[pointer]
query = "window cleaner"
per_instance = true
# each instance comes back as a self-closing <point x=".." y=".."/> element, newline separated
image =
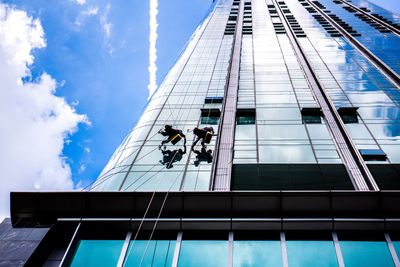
<point x="204" y="134"/>
<point x="174" y="135"/>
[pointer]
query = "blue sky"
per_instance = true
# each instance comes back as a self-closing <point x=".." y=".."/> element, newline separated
<point x="98" y="52"/>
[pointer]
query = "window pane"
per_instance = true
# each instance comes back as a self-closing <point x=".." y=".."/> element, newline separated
<point x="366" y="253"/>
<point x="97" y="253"/>
<point x="282" y="132"/>
<point x="312" y="119"/>
<point x="157" y="253"/>
<point x="286" y="154"/>
<point x="257" y="253"/>
<point x="396" y="245"/>
<point x="311" y="253"/>
<point x="278" y="114"/>
<point x="203" y="253"/>
<point x="245" y="132"/>
<point x="209" y="120"/>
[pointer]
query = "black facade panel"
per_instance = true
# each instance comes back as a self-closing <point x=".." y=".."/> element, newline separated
<point x="387" y="176"/>
<point x="290" y="177"/>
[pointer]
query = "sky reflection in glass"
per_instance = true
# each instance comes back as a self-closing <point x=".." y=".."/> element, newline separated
<point x="257" y="254"/>
<point x="158" y="253"/>
<point x="201" y="253"/>
<point x="366" y="254"/>
<point x="93" y="253"/>
<point x="311" y="253"/>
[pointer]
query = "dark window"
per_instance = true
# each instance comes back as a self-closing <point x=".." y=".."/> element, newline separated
<point x="311" y="115"/>
<point x="373" y="154"/>
<point x="210" y="116"/>
<point x="245" y="116"/>
<point x="290" y="177"/>
<point x="387" y="176"/>
<point x="348" y="114"/>
<point x="213" y="100"/>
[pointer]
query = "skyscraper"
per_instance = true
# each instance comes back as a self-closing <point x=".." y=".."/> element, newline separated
<point x="273" y="141"/>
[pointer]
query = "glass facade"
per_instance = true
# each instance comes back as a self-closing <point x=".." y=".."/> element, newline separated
<point x="274" y="92"/>
<point x="366" y="253"/>
<point x="257" y="253"/>
<point x="150" y="253"/>
<point x="263" y="251"/>
<point x="97" y="253"/>
<point x="198" y="253"/>
<point x="302" y="253"/>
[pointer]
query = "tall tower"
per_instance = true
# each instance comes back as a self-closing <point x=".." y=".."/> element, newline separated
<point x="273" y="141"/>
<point x="299" y="99"/>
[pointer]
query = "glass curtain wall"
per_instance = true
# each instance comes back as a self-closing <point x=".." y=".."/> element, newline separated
<point x="140" y="163"/>
<point x="352" y="81"/>
<point x="258" y="248"/>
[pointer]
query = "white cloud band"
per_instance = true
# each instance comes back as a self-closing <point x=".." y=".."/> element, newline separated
<point x="152" y="86"/>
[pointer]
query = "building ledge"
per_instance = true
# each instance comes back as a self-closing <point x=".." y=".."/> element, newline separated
<point x="46" y="208"/>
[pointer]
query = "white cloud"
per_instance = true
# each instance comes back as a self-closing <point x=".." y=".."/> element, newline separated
<point x="105" y="23"/>
<point x="86" y="13"/>
<point x="80" y="2"/>
<point x="91" y="11"/>
<point x="34" y="122"/>
<point x="152" y="86"/>
<point x="103" y="19"/>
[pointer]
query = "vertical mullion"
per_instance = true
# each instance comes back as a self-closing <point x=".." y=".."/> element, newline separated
<point x="338" y="250"/>
<point x="124" y="249"/>
<point x="177" y="250"/>
<point x="284" y="250"/>
<point x="68" y="252"/>
<point x="392" y="250"/>
<point x="230" y="250"/>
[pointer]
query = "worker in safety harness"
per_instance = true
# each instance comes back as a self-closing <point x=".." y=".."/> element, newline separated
<point x="174" y="135"/>
<point x="203" y="155"/>
<point x="170" y="157"/>
<point x="204" y="135"/>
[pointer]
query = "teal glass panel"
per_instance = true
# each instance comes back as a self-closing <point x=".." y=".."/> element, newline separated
<point x="246" y="120"/>
<point x="150" y="253"/>
<point x="210" y="120"/>
<point x="201" y="253"/>
<point x="311" y="253"/>
<point x="396" y="245"/>
<point x="366" y="253"/>
<point x="312" y="119"/>
<point x="97" y="253"/>
<point x="257" y="254"/>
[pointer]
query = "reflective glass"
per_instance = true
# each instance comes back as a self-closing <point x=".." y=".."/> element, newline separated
<point x="201" y="253"/>
<point x="210" y="120"/>
<point x="257" y="254"/>
<point x="246" y="120"/>
<point x="366" y="254"/>
<point x="245" y="132"/>
<point x="152" y="253"/>
<point x="311" y="253"/>
<point x="317" y="131"/>
<point x="97" y="253"/>
<point x="396" y="245"/>
<point x="282" y="132"/>
<point x="312" y="119"/>
<point x="286" y="154"/>
<point x="278" y="114"/>
<point x="392" y="152"/>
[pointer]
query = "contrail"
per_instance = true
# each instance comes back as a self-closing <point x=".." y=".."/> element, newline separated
<point x="152" y="47"/>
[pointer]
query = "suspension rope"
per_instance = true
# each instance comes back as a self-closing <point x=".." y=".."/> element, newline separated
<point x="147" y="210"/>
